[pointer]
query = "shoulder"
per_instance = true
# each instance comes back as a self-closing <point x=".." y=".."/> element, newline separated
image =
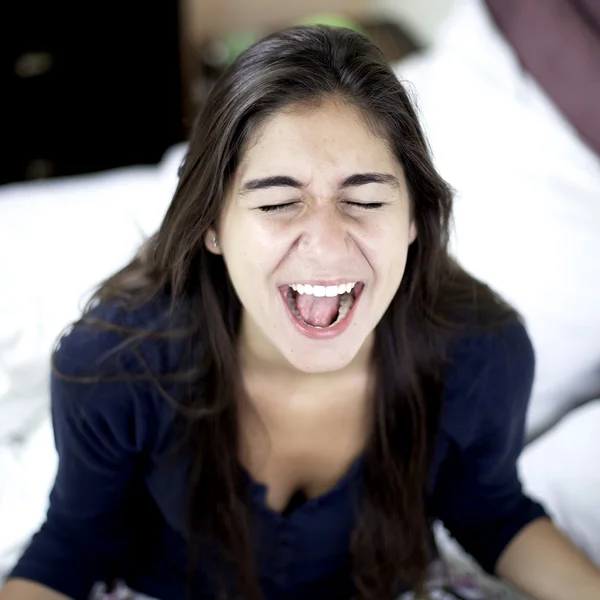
<point x="114" y="340"/>
<point x="121" y="369"/>
<point x="488" y="381"/>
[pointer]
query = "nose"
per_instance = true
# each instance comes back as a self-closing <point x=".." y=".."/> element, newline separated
<point x="325" y="233"/>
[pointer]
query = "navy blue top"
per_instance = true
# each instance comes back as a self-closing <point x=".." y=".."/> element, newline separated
<point x="119" y="499"/>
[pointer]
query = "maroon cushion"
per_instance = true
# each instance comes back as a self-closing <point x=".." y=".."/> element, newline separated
<point x="592" y="8"/>
<point x="558" y="42"/>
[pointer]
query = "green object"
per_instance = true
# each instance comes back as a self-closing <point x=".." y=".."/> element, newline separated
<point x="233" y="44"/>
<point x="332" y="20"/>
<point x="237" y="42"/>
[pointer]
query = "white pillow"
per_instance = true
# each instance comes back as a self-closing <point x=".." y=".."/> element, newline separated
<point x="58" y="240"/>
<point x="561" y="468"/>
<point x="527" y="218"/>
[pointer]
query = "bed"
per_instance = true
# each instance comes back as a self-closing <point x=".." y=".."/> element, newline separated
<point x="527" y="222"/>
<point x="58" y="240"/>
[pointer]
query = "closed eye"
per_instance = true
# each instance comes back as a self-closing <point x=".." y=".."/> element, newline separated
<point x="367" y="205"/>
<point x="275" y="207"/>
<point x="279" y="207"/>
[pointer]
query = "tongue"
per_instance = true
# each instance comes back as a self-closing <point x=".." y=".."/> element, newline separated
<point x="318" y="312"/>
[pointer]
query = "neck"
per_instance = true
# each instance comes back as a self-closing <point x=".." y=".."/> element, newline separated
<point x="259" y="355"/>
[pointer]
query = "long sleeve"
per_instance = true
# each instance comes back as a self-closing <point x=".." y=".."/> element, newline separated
<point x="478" y="495"/>
<point x="102" y="430"/>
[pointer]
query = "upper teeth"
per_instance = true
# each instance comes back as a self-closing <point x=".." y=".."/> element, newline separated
<point x="323" y="290"/>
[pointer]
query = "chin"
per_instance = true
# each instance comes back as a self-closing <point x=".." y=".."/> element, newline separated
<point x="327" y="359"/>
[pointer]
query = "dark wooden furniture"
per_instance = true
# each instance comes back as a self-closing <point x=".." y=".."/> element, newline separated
<point x="87" y="86"/>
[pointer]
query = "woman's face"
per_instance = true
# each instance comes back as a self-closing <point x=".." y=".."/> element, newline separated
<point x="314" y="234"/>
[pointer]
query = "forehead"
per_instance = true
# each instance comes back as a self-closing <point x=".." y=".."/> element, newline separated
<point x="332" y="136"/>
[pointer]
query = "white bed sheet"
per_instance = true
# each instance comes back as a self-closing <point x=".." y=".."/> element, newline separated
<point x="58" y="240"/>
<point x="562" y="469"/>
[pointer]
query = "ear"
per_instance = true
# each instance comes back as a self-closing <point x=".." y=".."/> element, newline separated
<point x="412" y="233"/>
<point x="211" y="241"/>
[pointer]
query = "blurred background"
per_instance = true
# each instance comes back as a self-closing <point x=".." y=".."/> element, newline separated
<point x="92" y="87"/>
<point x="97" y="101"/>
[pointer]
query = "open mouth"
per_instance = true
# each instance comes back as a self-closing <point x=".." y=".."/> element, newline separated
<point x="322" y="307"/>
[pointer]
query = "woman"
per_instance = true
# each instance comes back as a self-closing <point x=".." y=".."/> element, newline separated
<point x="292" y="380"/>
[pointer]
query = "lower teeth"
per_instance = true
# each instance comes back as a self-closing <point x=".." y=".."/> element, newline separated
<point x="346" y="303"/>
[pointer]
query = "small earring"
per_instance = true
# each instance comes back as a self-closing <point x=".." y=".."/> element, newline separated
<point x="214" y="242"/>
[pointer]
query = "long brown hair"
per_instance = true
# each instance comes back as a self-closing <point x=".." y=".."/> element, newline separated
<point x="436" y="299"/>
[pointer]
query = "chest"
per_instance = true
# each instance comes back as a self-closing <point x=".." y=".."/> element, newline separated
<point x="299" y="444"/>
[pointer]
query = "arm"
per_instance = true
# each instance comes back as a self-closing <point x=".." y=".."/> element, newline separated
<point x="543" y="563"/>
<point x="21" y="589"/>
<point x="101" y="433"/>
<point x="478" y="495"/>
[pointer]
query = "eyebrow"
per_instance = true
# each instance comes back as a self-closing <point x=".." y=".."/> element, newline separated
<point x="355" y="180"/>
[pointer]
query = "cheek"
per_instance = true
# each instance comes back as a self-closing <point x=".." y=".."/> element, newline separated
<point x="386" y="237"/>
<point x="388" y="251"/>
<point x="251" y="247"/>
